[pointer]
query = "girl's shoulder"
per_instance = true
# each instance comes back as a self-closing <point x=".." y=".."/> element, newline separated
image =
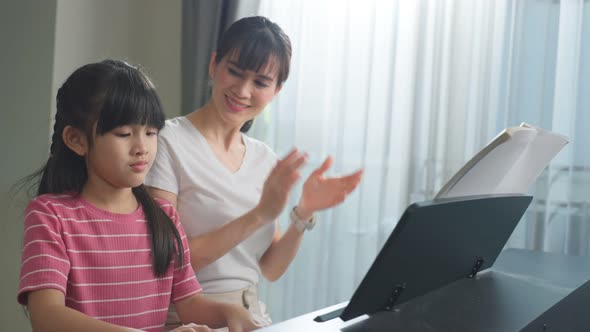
<point x="167" y="207"/>
<point x="67" y="201"/>
<point x="47" y="208"/>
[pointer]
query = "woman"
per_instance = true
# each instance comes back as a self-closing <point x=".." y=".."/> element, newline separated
<point x="229" y="188"/>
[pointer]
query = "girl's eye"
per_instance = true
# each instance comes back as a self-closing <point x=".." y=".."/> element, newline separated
<point x="122" y="134"/>
<point x="260" y="84"/>
<point x="233" y="72"/>
<point x="152" y="133"/>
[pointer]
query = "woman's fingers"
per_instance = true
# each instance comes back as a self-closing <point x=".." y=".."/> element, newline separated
<point x="344" y="184"/>
<point x="324" y="166"/>
<point x="291" y="153"/>
<point x="279" y="183"/>
<point x="287" y="170"/>
<point x="351" y="181"/>
<point x="292" y="162"/>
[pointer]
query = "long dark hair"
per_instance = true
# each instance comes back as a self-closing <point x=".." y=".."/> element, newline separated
<point x="109" y="94"/>
<point x="256" y="40"/>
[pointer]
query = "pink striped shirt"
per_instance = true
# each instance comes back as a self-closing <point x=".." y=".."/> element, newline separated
<point x="101" y="261"/>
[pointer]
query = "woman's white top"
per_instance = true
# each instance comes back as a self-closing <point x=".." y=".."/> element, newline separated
<point x="209" y="195"/>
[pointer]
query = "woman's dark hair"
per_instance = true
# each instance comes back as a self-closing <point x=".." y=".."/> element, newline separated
<point x="256" y="40"/>
<point x="108" y="94"/>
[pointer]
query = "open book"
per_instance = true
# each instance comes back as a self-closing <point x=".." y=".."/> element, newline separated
<point x="509" y="164"/>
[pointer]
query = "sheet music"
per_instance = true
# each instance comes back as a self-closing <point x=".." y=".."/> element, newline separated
<point x="509" y="164"/>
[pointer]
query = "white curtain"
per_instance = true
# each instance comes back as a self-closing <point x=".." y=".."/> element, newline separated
<point x="410" y="90"/>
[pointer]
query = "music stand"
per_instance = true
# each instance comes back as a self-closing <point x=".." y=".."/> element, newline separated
<point x="569" y="314"/>
<point x="433" y="244"/>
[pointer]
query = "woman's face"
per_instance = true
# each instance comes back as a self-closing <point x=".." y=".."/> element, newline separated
<point x="238" y="94"/>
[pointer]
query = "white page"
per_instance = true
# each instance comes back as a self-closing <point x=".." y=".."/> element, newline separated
<point x="531" y="164"/>
<point x="509" y="164"/>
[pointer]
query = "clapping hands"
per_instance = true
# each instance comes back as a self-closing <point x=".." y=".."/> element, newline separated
<point x="319" y="192"/>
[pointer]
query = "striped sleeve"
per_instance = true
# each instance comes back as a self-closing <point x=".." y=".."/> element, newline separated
<point x="44" y="263"/>
<point x="185" y="283"/>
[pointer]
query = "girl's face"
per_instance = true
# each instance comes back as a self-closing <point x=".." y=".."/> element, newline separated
<point x="240" y="95"/>
<point x="122" y="157"/>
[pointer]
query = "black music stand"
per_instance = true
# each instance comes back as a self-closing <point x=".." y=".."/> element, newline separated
<point x="434" y="244"/>
<point x="569" y="314"/>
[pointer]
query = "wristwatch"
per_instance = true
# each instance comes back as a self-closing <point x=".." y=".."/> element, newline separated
<point x="300" y="224"/>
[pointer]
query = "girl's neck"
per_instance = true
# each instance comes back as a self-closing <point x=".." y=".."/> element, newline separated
<point x="214" y="129"/>
<point x="115" y="200"/>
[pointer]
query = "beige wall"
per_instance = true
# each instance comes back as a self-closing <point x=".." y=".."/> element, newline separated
<point x="143" y="32"/>
<point x="42" y="43"/>
<point x="26" y="36"/>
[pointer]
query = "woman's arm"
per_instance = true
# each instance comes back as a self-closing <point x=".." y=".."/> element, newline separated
<point x="49" y="313"/>
<point x="201" y="310"/>
<point x="281" y="253"/>
<point x="205" y="249"/>
<point x="209" y="247"/>
<point x="318" y="193"/>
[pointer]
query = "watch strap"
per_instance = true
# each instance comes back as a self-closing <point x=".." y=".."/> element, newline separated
<point x="300" y="224"/>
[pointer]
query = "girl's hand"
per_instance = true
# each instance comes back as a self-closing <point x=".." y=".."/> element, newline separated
<point x="321" y="192"/>
<point x="192" y="328"/>
<point x="240" y="320"/>
<point x="279" y="183"/>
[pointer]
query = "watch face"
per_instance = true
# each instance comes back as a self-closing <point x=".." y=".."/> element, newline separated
<point x="301" y="225"/>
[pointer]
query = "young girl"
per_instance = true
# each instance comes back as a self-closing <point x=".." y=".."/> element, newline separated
<point x="230" y="188"/>
<point x="99" y="254"/>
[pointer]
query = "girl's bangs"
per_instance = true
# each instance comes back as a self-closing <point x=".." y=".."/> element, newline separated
<point x="130" y="100"/>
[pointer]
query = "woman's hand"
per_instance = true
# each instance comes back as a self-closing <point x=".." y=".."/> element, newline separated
<point x="279" y="183"/>
<point x="320" y="192"/>
<point x="240" y="320"/>
<point x="192" y="328"/>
